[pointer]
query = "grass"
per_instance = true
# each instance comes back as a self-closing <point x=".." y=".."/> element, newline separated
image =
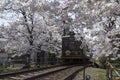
<point x="95" y="73"/>
<point x="8" y="69"/>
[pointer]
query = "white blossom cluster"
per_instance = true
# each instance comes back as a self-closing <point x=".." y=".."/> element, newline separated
<point x="41" y="23"/>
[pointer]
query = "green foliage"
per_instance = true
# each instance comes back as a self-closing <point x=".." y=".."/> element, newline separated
<point x="116" y="63"/>
<point x="8" y="69"/>
<point x="102" y="61"/>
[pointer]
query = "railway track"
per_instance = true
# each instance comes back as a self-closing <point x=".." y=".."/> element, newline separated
<point x="57" y="72"/>
<point x="25" y="75"/>
<point x="25" y="71"/>
<point x="67" y="73"/>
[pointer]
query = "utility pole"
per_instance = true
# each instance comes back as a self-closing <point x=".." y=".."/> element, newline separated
<point x="83" y="55"/>
<point x="84" y="66"/>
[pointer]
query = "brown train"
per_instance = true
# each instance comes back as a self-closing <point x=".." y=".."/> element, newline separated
<point x="71" y="50"/>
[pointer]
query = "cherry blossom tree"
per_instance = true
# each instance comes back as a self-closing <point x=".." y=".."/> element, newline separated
<point x="39" y="22"/>
<point x="30" y="29"/>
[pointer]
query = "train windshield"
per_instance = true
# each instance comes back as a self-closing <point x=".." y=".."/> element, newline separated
<point x="71" y="46"/>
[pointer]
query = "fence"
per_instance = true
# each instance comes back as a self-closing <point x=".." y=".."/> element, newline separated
<point x="112" y="72"/>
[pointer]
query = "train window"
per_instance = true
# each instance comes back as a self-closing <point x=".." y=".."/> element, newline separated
<point x="71" y="38"/>
<point x="71" y="45"/>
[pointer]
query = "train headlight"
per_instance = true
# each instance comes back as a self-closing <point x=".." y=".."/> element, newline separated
<point x="67" y="52"/>
<point x="88" y="55"/>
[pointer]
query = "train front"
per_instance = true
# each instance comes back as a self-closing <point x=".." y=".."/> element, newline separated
<point x="71" y="47"/>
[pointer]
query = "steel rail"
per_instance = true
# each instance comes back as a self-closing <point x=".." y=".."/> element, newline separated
<point x="47" y="73"/>
<point x="26" y="71"/>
